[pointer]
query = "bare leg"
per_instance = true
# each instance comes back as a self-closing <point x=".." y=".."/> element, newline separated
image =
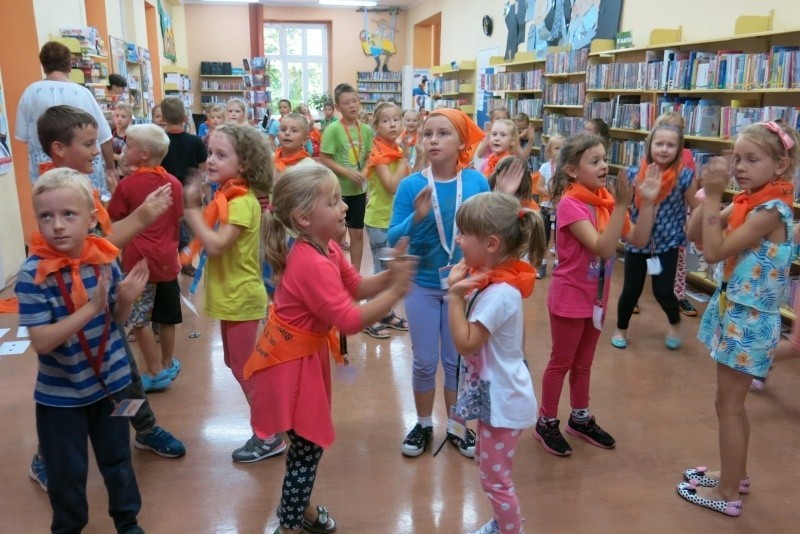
<point x="424" y="402"/>
<point x="450" y="398"/>
<point x="356" y="247"/>
<point x="146" y="340"/>
<point x="167" y="333"/>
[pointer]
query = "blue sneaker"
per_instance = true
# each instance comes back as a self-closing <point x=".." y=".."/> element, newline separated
<point x="160" y="382"/>
<point x="160" y="442"/>
<point x="175" y="369"/>
<point x="38" y="472"/>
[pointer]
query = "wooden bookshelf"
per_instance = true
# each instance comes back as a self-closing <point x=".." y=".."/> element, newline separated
<point x="453" y="85"/>
<point x="375" y="87"/>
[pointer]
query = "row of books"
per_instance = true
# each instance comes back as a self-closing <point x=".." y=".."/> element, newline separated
<point x="566" y="62"/>
<point x="633" y="76"/>
<point x="625" y="152"/>
<point x="221" y="86"/>
<point x="374" y="97"/>
<point x="446" y="86"/>
<point x="379" y="76"/>
<point x="515" y="81"/>
<point x="562" y="124"/>
<point x="565" y="94"/>
<point x="381" y="87"/>
<point x="532" y="107"/>
<point x="452" y="102"/>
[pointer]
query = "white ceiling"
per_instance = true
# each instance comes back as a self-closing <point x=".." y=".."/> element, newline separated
<point x="403" y="4"/>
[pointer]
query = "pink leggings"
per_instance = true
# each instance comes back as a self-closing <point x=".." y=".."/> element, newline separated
<point x="574" y="343"/>
<point x="238" y="342"/>
<point x="494" y="453"/>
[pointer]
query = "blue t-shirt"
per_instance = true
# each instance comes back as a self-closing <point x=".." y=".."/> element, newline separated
<point x="65" y="377"/>
<point x="424" y="237"/>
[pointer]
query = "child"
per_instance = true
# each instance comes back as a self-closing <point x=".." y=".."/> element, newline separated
<point x="123" y="114"/>
<point x="511" y="177"/>
<point x="365" y="116"/>
<point x="547" y="171"/>
<point x="741" y="325"/>
<point x="160" y="302"/>
<point x="526" y="136"/>
<point x="599" y="127"/>
<point x="236" y="111"/>
<point x="291" y="385"/>
<point x="291" y="150"/>
<point x="659" y="257"/>
<point x="156" y="116"/>
<point x="329" y="118"/>
<point x="494" y="115"/>
<point x="495" y="385"/>
<point x="235" y="293"/>
<point x="216" y="116"/>
<point x="387" y="165"/>
<point x="70" y="289"/>
<point x="502" y="139"/>
<point x="345" y="146"/>
<point x="314" y="137"/>
<point x="424" y="210"/>
<point x="284" y="108"/>
<point x="589" y="224"/>
<point x="409" y="139"/>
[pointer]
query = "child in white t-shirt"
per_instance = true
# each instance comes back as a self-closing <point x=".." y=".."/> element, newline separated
<point x="547" y="170"/>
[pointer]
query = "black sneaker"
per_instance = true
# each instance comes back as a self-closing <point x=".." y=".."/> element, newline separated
<point x="464" y="446"/>
<point x="591" y="432"/>
<point x="551" y="439"/>
<point x="686" y="308"/>
<point x="417" y="440"/>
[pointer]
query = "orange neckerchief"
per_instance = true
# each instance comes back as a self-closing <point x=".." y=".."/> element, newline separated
<point x="217" y="211"/>
<point x="467" y="131"/>
<point x="103" y="220"/>
<point x="283" y="161"/>
<point x="96" y="251"/>
<point x="9" y="305"/>
<point x="158" y="169"/>
<point x="668" y="180"/>
<point x="603" y="204"/>
<point x="409" y="139"/>
<point x="517" y="273"/>
<point x="281" y="342"/>
<point x="492" y="161"/>
<point x="383" y="153"/>
<point x="529" y="203"/>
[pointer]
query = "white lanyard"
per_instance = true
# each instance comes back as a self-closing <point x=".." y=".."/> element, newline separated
<point x="437" y="214"/>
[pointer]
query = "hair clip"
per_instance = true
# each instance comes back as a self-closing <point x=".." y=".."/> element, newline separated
<point x="270" y="207"/>
<point x="521" y="213"/>
<point x="775" y="128"/>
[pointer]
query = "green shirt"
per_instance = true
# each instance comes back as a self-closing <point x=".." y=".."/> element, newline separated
<point x="348" y="151"/>
<point x="379" y="205"/>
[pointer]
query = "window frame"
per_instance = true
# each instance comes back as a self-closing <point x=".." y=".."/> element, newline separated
<point x="303" y="58"/>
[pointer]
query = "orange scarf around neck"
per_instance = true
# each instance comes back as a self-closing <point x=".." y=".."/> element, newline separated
<point x="96" y="251"/>
<point x="603" y="204"/>
<point x="158" y="169"/>
<point x="517" y="273"/>
<point x="283" y="161"/>
<point x="103" y="220"/>
<point x="383" y="153"/>
<point x="409" y="139"/>
<point x="668" y="180"/>
<point x="492" y="161"/>
<point x="216" y="211"/>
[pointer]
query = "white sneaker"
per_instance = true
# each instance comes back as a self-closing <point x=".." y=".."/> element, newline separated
<point x="489" y="528"/>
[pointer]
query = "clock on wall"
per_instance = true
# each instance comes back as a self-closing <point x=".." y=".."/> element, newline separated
<point x="487" y="25"/>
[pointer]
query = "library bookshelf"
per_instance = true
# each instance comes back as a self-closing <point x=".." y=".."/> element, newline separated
<point x="453" y="85"/>
<point x="374" y="87"/>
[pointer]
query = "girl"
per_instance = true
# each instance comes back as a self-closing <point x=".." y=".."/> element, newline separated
<point x="659" y="257"/>
<point x="548" y="169"/>
<point x="386" y="166"/>
<point x="123" y="114"/>
<point x="156" y="117"/>
<point x="494" y="115"/>
<point x="291" y="380"/>
<point x="741" y="325"/>
<point x="409" y="139"/>
<point x="495" y="386"/>
<point x="589" y="224"/>
<point x="424" y="209"/>
<point x="236" y="111"/>
<point x="501" y="140"/>
<point x="239" y="163"/>
<point x="511" y="177"/>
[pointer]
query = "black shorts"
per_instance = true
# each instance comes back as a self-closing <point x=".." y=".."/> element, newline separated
<point x="167" y="303"/>
<point x="356" y="208"/>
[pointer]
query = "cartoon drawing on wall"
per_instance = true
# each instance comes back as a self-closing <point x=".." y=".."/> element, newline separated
<point x="380" y="42"/>
<point x="514" y="16"/>
<point x="167" y="32"/>
<point x="420" y="93"/>
<point x="575" y="23"/>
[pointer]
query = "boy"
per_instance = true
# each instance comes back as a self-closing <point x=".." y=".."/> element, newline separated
<point x="327" y="110"/>
<point x="292" y="136"/>
<point x="346" y="144"/>
<point x="160" y="302"/>
<point x="68" y="136"/>
<point x="71" y="296"/>
<point x="123" y="115"/>
<point x="186" y="153"/>
<point x="216" y="116"/>
<point x="284" y="108"/>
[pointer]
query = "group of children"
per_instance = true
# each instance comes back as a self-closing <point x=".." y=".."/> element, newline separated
<point x="463" y="248"/>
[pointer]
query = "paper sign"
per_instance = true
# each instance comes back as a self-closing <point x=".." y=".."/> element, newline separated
<point x="11" y="348"/>
<point x="189" y="305"/>
<point x="22" y="331"/>
<point x="3" y="331"/>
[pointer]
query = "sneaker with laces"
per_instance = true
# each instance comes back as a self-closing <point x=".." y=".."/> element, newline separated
<point x="489" y="528"/>
<point x="686" y="308"/>
<point x="38" y="471"/>
<point x="160" y="442"/>
<point x="591" y="432"/>
<point x="464" y="446"/>
<point x="548" y="434"/>
<point x="257" y="449"/>
<point x="418" y="440"/>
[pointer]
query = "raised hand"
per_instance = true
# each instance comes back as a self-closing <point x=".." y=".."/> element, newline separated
<point x="100" y="297"/>
<point x="509" y="179"/>
<point x="156" y="204"/>
<point x="422" y="204"/>
<point x="193" y="193"/>
<point x="715" y="176"/>
<point x="458" y="283"/>
<point x="623" y="194"/>
<point x="402" y="268"/>
<point x="133" y="284"/>
<point x="648" y="189"/>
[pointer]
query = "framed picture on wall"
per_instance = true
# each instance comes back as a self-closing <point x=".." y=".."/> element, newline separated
<point x="167" y="32"/>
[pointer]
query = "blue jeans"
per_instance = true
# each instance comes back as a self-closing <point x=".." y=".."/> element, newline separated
<point x="62" y="438"/>
<point x="431" y="341"/>
<point x="378" y="239"/>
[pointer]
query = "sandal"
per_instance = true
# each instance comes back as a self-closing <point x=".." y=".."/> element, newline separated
<point x="395" y="322"/>
<point x="378" y="331"/>
<point x="323" y="524"/>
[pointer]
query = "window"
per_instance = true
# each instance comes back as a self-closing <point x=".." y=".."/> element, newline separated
<point x="298" y="55"/>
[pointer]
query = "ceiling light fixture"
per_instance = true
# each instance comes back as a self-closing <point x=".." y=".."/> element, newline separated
<point x="348" y="3"/>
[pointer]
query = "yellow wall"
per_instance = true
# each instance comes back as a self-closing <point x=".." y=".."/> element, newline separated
<point x="52" y="15"/>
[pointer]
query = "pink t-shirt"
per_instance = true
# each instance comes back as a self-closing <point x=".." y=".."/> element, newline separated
<point x="314" y="293"/>
<point x="573" y="290"/>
